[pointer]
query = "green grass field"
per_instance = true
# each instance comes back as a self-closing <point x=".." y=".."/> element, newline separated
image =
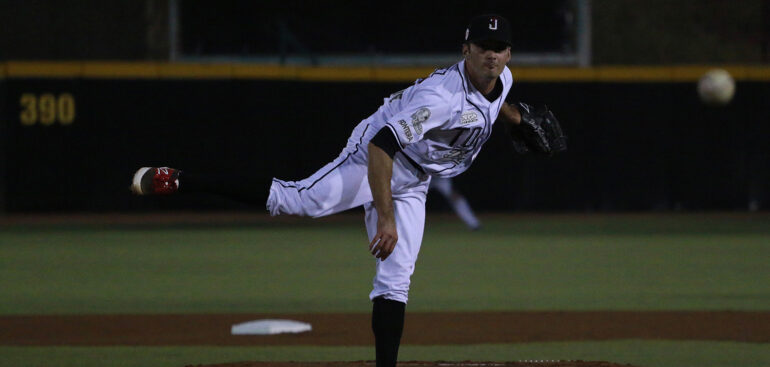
<point x="520" y="262"/>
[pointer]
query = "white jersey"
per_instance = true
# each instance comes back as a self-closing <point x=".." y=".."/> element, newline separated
<point x="442" y="121"/>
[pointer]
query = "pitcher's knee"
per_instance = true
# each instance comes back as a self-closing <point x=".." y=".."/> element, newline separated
<point x="393" y="290"/>
<point x="400" y="296"/>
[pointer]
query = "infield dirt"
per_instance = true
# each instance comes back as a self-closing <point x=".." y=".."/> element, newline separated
<point x="422" y="328"/>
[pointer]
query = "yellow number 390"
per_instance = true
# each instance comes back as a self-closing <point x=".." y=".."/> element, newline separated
<point x="47" y="109"/>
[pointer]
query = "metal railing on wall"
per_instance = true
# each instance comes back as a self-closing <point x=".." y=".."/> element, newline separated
<point x="292" y="50"/>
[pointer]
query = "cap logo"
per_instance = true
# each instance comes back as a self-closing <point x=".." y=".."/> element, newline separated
<point x="493" y="24"/>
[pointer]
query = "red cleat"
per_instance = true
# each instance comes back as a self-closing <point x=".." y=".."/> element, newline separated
<point x="155" y="181"/>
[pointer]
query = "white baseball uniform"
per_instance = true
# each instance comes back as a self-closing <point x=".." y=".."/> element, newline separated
<point x="440" y="124"/>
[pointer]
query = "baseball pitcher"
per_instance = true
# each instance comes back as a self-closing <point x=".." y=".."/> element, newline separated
<point x="434" y="128"/>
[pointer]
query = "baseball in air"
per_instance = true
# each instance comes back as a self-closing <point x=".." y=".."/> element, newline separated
<point x="716" y="87"/>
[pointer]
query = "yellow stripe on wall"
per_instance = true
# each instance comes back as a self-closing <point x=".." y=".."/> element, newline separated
<point x="163" y="70"/>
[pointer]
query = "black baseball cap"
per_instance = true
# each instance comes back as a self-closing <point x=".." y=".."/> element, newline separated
<point x="488" y="26"/>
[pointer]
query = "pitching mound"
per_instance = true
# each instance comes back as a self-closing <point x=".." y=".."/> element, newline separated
<point x="424" y="364"/>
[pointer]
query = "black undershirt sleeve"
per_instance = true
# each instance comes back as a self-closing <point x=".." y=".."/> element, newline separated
<point x="386" y="141"/>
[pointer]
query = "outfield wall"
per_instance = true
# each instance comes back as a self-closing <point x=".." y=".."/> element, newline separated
<point x="72" y="134"/>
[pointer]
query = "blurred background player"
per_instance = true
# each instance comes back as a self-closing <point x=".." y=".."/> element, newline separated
<point x="456" y="200"/>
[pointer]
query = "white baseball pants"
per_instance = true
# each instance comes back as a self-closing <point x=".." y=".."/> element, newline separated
<point x="343" y="184"/>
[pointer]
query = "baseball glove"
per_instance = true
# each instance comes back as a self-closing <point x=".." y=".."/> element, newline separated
<point x="538" y="132"/>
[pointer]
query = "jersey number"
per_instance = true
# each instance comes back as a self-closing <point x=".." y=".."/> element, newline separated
<point x="467" y="137"/>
